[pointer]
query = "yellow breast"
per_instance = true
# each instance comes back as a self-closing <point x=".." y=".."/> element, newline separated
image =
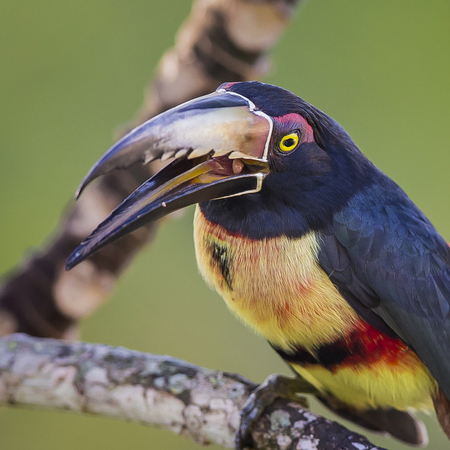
<point x="277" y="287"/>
<point x="274" y="285"/>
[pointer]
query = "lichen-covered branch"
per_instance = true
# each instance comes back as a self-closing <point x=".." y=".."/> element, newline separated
<point x="161" y="391"/>
<point x="222" y="40"/>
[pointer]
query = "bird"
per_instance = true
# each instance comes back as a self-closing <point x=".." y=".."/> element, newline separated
<point x="308" y="243"/>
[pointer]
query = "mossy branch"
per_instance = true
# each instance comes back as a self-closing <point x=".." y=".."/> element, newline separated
<point x="160" y="391"/>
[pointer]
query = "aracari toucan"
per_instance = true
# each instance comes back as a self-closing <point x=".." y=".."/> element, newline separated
<point x="307" y="242"/>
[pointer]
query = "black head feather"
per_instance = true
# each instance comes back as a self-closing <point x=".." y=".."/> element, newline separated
<point x="276" y="102"/>
<point x="304" y="188"/>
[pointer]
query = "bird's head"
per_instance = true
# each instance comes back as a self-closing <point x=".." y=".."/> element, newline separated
<point x="259" y="159"/>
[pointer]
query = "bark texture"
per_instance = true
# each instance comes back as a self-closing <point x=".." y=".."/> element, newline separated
<point x="197" y="403"/>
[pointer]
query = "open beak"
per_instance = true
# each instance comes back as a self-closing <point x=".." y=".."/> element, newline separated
<point x="219" y="143"/>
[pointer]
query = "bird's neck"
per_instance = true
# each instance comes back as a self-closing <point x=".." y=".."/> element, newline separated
<point x="249" y="216"/>
<point x="289" y="204"/>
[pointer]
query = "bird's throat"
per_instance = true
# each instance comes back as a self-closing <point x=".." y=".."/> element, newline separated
<point x="274" y="285"/>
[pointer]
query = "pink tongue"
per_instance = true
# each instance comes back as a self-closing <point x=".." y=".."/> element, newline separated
<point x="237" y="166"/>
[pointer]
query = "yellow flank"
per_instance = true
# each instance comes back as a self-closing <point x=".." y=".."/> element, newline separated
<point x="277" y="287"/>
<point x="378" y="385"/>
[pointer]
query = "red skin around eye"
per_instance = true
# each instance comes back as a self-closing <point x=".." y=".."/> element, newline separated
<point x="291" y="121"/>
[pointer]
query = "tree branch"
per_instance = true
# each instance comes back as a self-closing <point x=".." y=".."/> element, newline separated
<point x="160" y="391"/>
<point x="222" y="40"/>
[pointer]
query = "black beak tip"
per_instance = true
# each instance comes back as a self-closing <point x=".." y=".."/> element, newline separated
<point x="74" y="259"/>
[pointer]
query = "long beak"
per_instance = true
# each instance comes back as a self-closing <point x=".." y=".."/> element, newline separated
<point x="220" y="147"/>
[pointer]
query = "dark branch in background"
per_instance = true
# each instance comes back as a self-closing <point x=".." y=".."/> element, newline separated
<point x="222" y="40"/>
<point x="161" y="391"/>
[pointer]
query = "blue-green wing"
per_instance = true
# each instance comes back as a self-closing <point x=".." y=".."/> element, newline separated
<point x="393" y="267"/>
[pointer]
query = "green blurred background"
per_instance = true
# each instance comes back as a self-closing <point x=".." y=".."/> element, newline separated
<point x="71" y="72"/>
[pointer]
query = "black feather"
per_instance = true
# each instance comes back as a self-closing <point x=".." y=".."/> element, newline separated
<point x="405" y="265"/>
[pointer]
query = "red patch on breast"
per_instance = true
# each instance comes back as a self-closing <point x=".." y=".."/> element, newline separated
<point x="303" y="287"/>
<point x="364" y="345"/>
<point x="283" y="313"/>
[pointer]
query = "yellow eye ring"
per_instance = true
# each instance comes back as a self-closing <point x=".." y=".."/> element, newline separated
<point x="289" y="142"/>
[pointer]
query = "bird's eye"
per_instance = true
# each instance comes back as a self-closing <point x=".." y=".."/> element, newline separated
<point x="289" y="142"/>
